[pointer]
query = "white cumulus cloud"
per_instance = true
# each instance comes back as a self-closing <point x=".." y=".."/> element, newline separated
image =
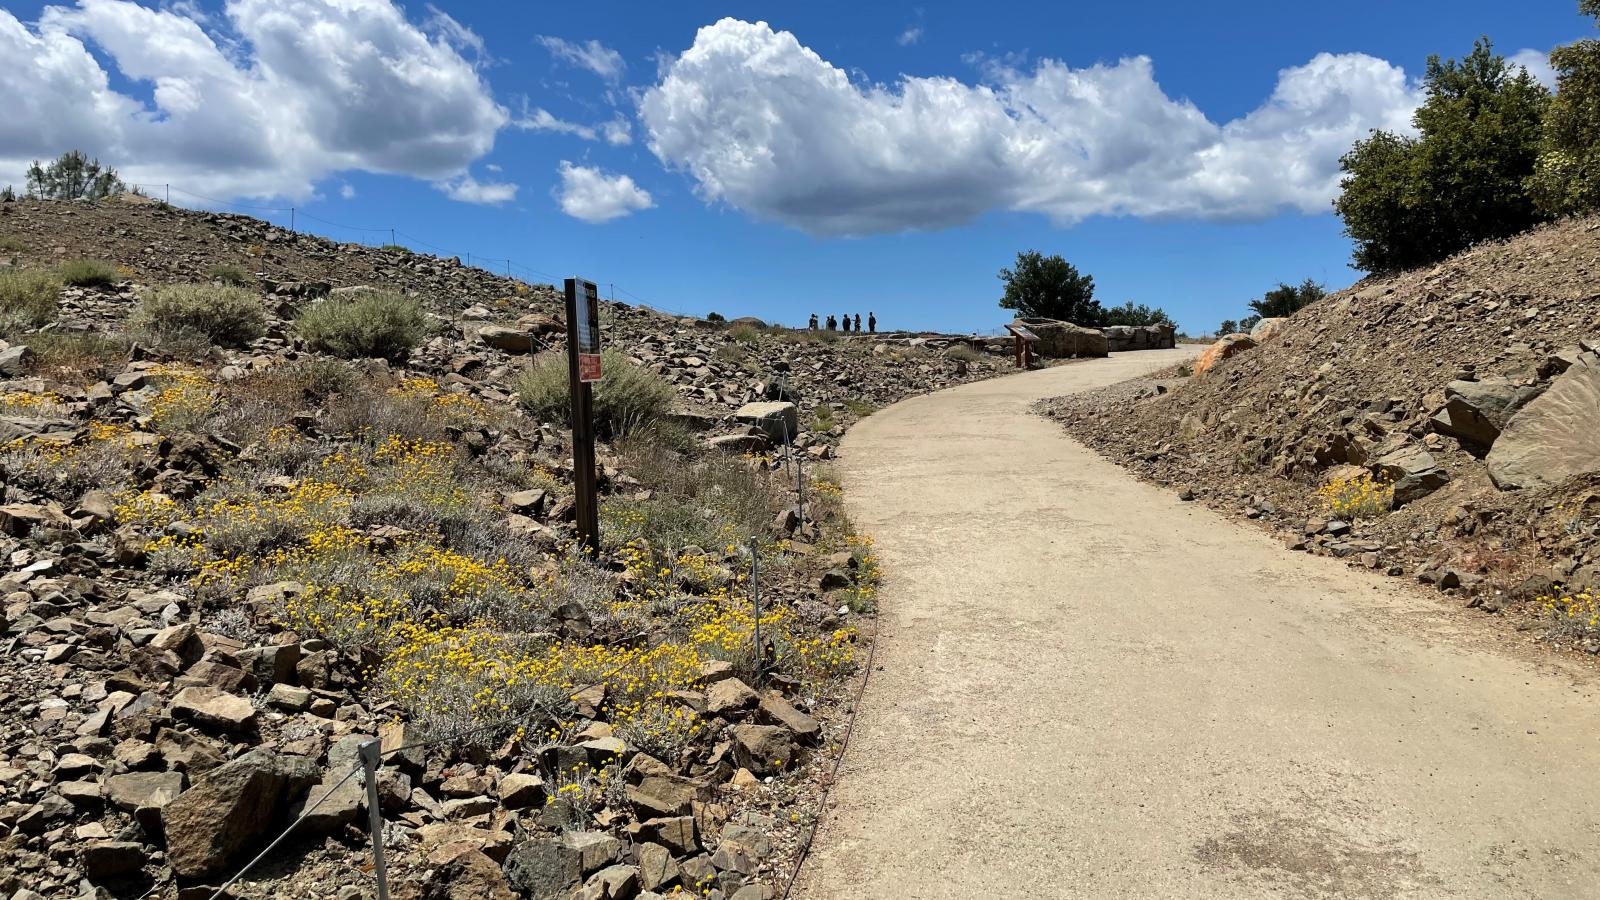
<point x="1537" y="62"/>
<point x="591" y="55"/>
<point x="281" y="95"/>
<point x="592" y="196"/>
<point x="470" y="190"/>
<point x="763" y="123"/>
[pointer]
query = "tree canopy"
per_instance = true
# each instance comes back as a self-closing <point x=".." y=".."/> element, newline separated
<point x="73" y="176"/>
<point x="1566" y="179"/>
<point x="1410" y="201"/>
<point x="1285" y="299"/>
<point x="1049" y="287"/>
<point x="1136" y="314"/>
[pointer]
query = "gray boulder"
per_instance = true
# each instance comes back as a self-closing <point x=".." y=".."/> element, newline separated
<point x="1556" y="435"/>
<point x="231" y="807"/>
<point x="1475" y="412"/>
<point x="1064" y="339"/>
<point x="509" y="340"/>
<point x="771" y="417"/>
<point x="1413" y="471"/>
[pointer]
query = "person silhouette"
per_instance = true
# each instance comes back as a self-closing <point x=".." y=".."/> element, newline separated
<point x="872" y="322"/>
<point x="846" y="323"/>
<point x="813" y="323"/>
<point x="832" y="325"/>
<point x="858" y="323"/>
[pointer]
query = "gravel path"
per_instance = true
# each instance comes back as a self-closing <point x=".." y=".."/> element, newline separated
<point x="1088" y="688"/>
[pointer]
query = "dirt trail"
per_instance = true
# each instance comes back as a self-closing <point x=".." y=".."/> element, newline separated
<point x="1088" y="688"/>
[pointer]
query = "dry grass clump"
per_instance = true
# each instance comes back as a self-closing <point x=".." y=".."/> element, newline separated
<point x="11" y="244"/>
<point x="962" y="353"/>
<point x="101" y="454"/>
<point x="88" y="273"/>
<point x="229" y="273"/>
<point x="28" y="298"/>
<point x="744" y="333"/>
<point x="627" y="399"/>
<point x="77" y="357"/>
<point x="366" y="325"/>
<point x="188" y="316"/>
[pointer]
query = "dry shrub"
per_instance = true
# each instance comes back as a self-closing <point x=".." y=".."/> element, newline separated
<point x="228" y="273"/>
<point x="77" y="357"/>
<point x="28" y="298"/>
<point x="627" y="399"/>
<point x="962" y="353"/>
<point x="262" y="401"/>
<point x="369" y="324"/>
<point x="184" y="316"/>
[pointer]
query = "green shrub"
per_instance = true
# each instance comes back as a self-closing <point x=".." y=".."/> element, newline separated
<point x="745" y="333"/>
<point x="89" y="273"/>
<point x="396" y="248"/>
<point x="9" y="244"/>
<point x="626" y="399"/>
<point x="860" y="408"/>
<point x="716" y="317"/>
<point x="228" y="273"/>
<point x="175" y="315"/>
<point x="379" y="324"/>
<point x="27" y="298"/>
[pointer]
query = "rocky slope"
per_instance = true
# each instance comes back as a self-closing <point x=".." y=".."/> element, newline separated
<point x="226" y="573"/>
<point x="1395" y="423"/>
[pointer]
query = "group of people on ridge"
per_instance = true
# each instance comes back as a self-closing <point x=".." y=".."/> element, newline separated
<point x="833" y="324"/>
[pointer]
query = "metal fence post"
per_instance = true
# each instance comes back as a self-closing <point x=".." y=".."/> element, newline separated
<point x="370" y="752"/>
<point x="800" y="488"/>
<point x="755" y="599"/>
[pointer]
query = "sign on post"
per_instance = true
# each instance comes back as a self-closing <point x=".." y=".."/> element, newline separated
<point x="583" y="365"/>
<point x="588" y="322"/>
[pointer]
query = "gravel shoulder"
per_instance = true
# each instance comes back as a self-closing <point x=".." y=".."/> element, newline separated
<point x="1087" y="688"/>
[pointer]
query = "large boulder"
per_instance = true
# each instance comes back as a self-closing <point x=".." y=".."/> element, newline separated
<point x="1120" y="338"/>
<point x="1229" y="346"/>
<point x="1264" y="328"/>
<point x="1557" y="434"/>
<point x="1475" y="412"/>
<point x="776" y="419"/>
<point x="509" y="340"/>
<point x="1064" y="339"/>
<point x="1413" y="471"/>
<point x="231" y="807"/>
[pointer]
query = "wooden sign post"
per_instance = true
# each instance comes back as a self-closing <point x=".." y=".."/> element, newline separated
<point x="1022" y="340"/>
<point x="583" y="364"/>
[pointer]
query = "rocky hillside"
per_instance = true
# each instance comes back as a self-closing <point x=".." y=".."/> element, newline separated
<point x="1442" y="425"/>
<point x="230" y="566"/>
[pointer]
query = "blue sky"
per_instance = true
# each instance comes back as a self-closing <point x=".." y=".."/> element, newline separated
<point x="844" y="157"/>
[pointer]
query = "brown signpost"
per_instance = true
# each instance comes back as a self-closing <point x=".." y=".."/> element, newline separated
<point x="1022" y="343"/>
<point x="583" y="364"/>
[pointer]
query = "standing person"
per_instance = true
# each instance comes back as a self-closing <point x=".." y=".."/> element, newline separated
<point x="872" y="322"/>
<point x="832" y="325"/>
<point x="813" y="321"/>
<point x="858" y="323"/>
<point x="846" y="323"/>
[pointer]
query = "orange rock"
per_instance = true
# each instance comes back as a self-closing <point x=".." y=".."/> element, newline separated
<point x="1231" y="345"/>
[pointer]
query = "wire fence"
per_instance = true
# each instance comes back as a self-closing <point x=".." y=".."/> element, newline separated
<point x="295" y="218"/>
